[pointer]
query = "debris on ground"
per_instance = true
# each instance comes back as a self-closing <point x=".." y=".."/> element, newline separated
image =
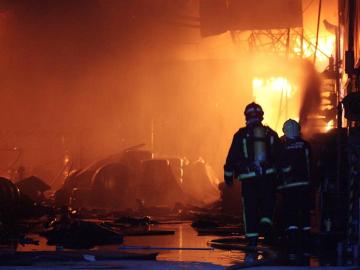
<point x="74" y="233"/>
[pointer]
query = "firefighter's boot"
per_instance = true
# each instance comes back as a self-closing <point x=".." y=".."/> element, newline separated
<point x="266" y="231"/>
<point x="305" y="241"/>
<point x="293" y="241"/>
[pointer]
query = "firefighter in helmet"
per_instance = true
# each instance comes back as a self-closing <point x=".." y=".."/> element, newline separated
<point x="253" y="159"/>
<point x="295" y="187"/>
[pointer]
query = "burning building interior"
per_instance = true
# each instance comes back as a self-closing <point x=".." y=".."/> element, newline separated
<point x="117" y="118"/>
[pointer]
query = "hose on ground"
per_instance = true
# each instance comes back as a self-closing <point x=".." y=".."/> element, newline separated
<point x="269" y="255"/>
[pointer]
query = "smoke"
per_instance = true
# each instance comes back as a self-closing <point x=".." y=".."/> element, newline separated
<point x="88" y="78"/>
<point x="311" y="99"/>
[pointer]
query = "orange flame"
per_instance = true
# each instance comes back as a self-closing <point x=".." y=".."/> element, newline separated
<point x="279" y="96"/>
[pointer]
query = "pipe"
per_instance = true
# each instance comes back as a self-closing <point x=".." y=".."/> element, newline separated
<point x="317" y="31"/>
<point x="160" y="248"/>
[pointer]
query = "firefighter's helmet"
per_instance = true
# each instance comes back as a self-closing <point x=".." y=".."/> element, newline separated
<point x="253" y="113"/>
<point x="291" y="128"/>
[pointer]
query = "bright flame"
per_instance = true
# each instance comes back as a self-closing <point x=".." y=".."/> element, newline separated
<point x="273" y="84"/>
<point x="280" y="97"/>
<point x="325" y="48"/>
<point x="66" y="160"/>
<point x="274" y="95"/>
<point x="329" y="125"/>
<point x="67" y="165"/>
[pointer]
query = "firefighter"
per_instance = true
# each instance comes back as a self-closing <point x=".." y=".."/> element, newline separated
<point x="253" y="159"/>
<point x="296" y="187"/>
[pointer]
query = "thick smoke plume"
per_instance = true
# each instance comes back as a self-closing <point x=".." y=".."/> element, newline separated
<point x="311" y="98"/>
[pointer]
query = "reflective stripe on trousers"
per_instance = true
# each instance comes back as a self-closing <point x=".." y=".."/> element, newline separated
<point x="253" y="174"/>
<point x="296" y="184"/>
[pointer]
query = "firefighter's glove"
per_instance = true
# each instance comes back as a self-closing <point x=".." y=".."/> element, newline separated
<point x="229" y="181"/>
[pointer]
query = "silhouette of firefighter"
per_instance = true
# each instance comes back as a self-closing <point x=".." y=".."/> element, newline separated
<point x="254" y="158"/>
<point x="295" y="187"/>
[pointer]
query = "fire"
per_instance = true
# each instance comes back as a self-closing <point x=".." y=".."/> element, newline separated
<point x="66" y="159"/>
<point x="274" y="94"/>
<point x="329" y="125"/>
<point x="325" y="48"/>
<point x="279" y="96"/>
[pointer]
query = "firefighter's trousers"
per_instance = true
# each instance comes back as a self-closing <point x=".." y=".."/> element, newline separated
<point x="258" y="195"/>
<point x="296" y="207"/>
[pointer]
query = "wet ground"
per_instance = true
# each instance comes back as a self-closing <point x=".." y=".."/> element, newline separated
<point x="191" y="247"/>
<point x="184" y="246"/>
<point x="186" y="237"/>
